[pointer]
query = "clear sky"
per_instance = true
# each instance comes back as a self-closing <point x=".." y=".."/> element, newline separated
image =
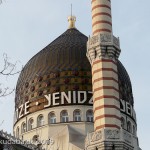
<point x="27" y="26"/>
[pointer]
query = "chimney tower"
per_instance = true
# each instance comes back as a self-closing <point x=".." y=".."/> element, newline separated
<point x="111" y="131"/>
<point x="103" y="52"/>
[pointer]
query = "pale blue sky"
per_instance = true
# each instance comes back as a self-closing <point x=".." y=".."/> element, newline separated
<point x="27" y="26"/>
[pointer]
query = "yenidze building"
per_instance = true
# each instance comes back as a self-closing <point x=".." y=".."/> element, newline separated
<point x="75" y="94"/>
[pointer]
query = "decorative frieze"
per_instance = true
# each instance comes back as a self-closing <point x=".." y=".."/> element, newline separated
<point x="103" y="39"/>
<point x="94" y="137"/>
<point x="103" y="46"/>
<point x="102" y="135"/>
<point x="112" y="134"/>
<point x="120" y="138"/>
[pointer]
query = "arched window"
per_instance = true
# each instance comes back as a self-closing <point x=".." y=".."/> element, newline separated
<point x="129" y="129"/>
<point x="40" y="120"/>
<point x="89" y="116"/>
<point x="122" y="123"/>
<point x="134" y="130"/>
<point x="23" y="127"/>
<point x="64" y="116"/>
<point x="30" y="124"/>
<point x="52" y="118"/>
<point x="77" y="115"/>
<point x="17" y="132"/>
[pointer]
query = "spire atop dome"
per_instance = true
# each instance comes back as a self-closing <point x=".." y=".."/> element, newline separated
<point x="71" y="20"/>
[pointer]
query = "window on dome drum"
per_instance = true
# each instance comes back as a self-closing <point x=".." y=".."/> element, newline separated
<point x="129" y="129"/>
<point x="122" y="123"/>
<point x="64" y="116"/>
<point x="23" y="127"/>
<point x="52" y="118"/>
<point x="89" y="116"/>
<point x="30" y="124"/>
<point x="40" y="120"/>
<point x="134" y="130"/>
<point x="17" y="132"/>
<point x="77" y="115"/>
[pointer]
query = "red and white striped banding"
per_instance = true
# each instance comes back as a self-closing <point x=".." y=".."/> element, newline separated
<point x="101" y="16"/>
<point x="105" y="87"/>
<point x="106" y="106"/>
<point x="105" y="94"/>
<point x="105" y="78"/>
<point x="107" y="126"/>
<point x="106" y="116"/>
<point x="111" y="97"/>
<point x="103" y="60"/>
<point x="104" y="69"/>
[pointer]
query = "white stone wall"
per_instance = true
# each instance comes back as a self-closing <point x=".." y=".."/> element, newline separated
<point x="47" y="131"/>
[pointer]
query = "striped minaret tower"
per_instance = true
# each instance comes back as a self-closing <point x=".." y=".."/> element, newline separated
<point x="111" y="131"/>
<point x="103" y="51"/>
